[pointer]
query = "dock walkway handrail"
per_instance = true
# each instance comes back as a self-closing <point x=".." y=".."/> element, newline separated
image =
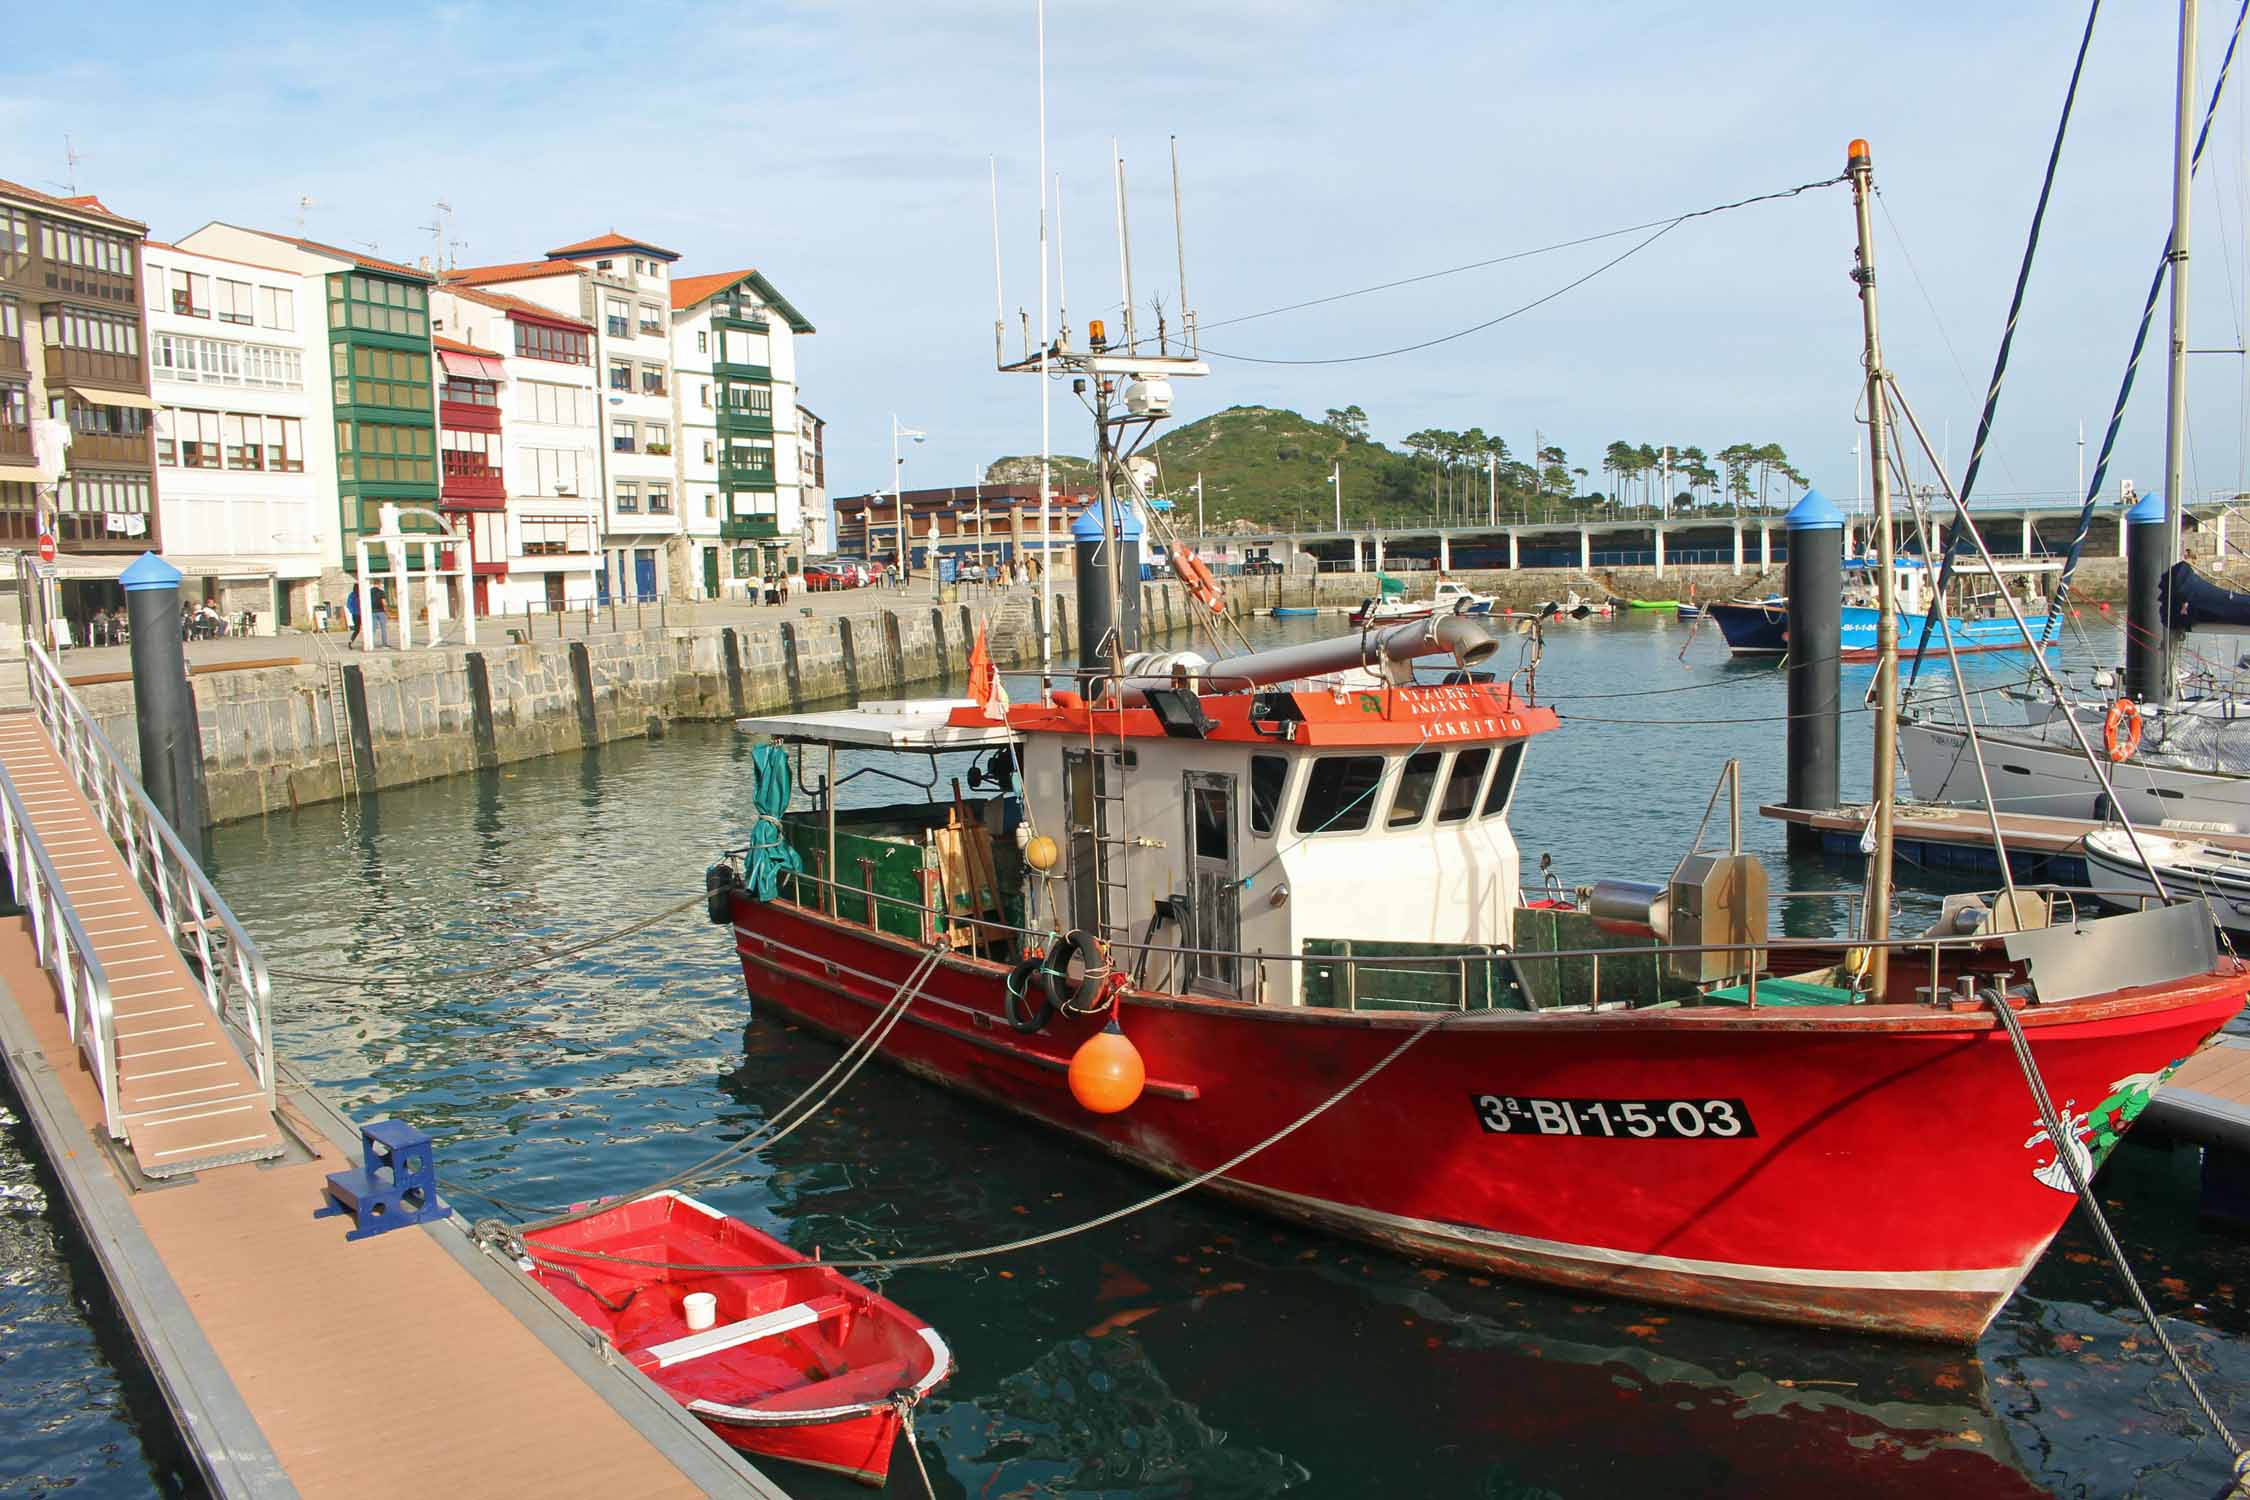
<point x="202" y="927"/>
<point x="64" y="950"/>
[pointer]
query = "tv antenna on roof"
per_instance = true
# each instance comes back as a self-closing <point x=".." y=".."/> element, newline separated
<point x="304" y="202"/>
<point x="71" y="159"/>
<point x="440" y="231"/>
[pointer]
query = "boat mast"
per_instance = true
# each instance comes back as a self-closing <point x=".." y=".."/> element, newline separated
<point x="1861" y="168"/>
<point x="2175" y="373"/>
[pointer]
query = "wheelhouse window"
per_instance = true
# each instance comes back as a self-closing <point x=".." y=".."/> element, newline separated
<point x="1415" y="783"/>
<point x="1340" y="794"/>
<point x="1461" y="785"/>
<point x="1503" y="780"/>
<point x="1269" y="778"/>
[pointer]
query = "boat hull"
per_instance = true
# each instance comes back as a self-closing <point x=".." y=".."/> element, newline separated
<point x="2055" y="781"/>
<point x="1878" y="1177"/>
<point x="1763" y="630"/>
<point x="2219" y="878"/>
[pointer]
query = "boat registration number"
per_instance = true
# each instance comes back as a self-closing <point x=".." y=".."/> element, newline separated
<point x="1624" y="1119"/>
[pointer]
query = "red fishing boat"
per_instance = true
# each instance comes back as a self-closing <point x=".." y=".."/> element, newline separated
<point x="1259" y="922"/>
<point x="803" y="1364"/>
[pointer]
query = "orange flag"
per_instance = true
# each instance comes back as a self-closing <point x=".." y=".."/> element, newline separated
<point x="985" y="688"/>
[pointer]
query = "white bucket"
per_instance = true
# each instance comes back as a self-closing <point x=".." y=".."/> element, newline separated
<point x="702" y="1310"/>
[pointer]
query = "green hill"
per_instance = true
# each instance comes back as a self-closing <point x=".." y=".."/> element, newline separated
<point x="1259" y="465"/>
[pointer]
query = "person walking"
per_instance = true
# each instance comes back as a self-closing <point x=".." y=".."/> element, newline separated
<point x="351" y="608"/>
<point x="379" y="606"/>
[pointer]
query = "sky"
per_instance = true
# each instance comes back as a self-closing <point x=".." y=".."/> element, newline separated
<point x="848" y="151"/>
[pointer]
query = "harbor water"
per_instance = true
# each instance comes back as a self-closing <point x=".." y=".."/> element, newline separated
<point x="1196" y="1349"/>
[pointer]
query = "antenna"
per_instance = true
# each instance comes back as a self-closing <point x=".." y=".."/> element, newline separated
<point x="1179" y="243"/>
<point x="1062" y="269"/>
<point x="71" y="159"/>
<point x="1124" y="244"/>
<point x="304" y="203"/>
<point x="999" y="296"/>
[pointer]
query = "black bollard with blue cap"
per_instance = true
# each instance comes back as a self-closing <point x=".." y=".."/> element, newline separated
<point x="163" y="704"/>
<point x="2148" y="555"/>
<point x="1816" y="599"/>
<point x="1087" y="535"/>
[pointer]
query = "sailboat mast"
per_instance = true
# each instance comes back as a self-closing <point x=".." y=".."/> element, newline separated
<point x="2175" y="371"/>
<point x="1861" y="168"/>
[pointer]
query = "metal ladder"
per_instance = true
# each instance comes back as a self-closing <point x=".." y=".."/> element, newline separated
<point x="340" y="722"/>
<point x="1111" y="846"/>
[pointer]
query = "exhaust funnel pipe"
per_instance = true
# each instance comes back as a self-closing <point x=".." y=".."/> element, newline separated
<point x="1390" y="653"/>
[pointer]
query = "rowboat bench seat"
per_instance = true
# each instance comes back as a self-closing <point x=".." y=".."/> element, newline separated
<point x="733" y="1335"/>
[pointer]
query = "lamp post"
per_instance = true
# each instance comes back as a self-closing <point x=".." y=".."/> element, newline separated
<point x="898" y="493"/>
<point x="1336" y="480"/>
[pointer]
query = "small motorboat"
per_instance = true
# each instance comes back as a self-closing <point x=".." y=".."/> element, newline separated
<point x="1572" y="606"/>
<point x="2220" y="875"/>
<point x="1667" y="604"/>
<point x="802" y="1364"/>
<point x="1690" y="610"/>
<point x="1292" y="611"/>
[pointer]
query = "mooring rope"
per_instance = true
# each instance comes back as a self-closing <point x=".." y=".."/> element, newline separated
<point x="2064" y="1140"/>
<point x="1048" y="1237"/>
<point x="887" y="1017"/>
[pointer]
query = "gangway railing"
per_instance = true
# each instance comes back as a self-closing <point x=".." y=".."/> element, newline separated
<point x="216" y="945"/>
<point x="64" y="950"/>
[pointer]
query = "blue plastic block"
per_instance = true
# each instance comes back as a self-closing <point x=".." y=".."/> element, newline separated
<point x="395" y="1184"/>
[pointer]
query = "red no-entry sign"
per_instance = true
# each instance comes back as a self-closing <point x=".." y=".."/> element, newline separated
<point x="46" y="547"/>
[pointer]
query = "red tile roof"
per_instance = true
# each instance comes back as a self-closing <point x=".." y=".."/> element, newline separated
<point x="84" y="203"/>
<point x="687" y="291"/>
<point x="613" y="241"/>
<point x="365" y="262"/>
<point x="456" y="346"/>
<point x="514" y="270"/>
<point x="513" y="306"/>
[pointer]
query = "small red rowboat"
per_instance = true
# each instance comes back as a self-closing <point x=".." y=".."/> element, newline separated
<point x="803" y="1364"/>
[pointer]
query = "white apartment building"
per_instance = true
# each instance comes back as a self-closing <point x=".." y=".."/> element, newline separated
<point x="741" y="449"/>
<point x="526" y="472"/>
<point x="812" y="469"/>
<point x="621" y="287"/>
<point x="248" y="492"/>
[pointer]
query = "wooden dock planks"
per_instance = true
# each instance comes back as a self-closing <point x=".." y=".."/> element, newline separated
<point x="374" y="1368"/>
<point x="188" y="1097"/>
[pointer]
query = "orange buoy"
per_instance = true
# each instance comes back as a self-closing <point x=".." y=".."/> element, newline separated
<point x="1106" y="1073"/>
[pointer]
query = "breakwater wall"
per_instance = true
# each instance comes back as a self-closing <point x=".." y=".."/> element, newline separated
<point x="283" y="736"/>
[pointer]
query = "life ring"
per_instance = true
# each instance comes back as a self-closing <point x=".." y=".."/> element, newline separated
<point x="1190" y="570"/>
<point x="2123" y="713"/>
<point x="1085" y="996"/>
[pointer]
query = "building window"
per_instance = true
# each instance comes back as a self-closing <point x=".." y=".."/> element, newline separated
<point x="563" y="346"/>
<point x="659" y="499"/>
<point x="384" y="453"/>
<point x="236" y="302"/>
<point x="703" y="346"/>
<point x="556" y="536"/>
<point x="70" y="245"/>
<point x="710" y="505"/>
<point x="618" y="317"/>
<point x="191" y="294"/>
<point x="628" y="496"/>
<point x="621" y="438"/>
<point x="469" y="455"/>
<point x="710" y="451"/>
<point x="378" y="304"/>
<point x="470" y="392"/>
<point x="285" y="445"/>
<point x="557" y="471"/>
<point x="556" y="405"/>
<point x="99" y="333"/>
<point x="277" y="307"/>
<point x="198" y="434"/>
<point x="605" y="265"/>
<point x="652" y="320"/>
<point x="243" y="447"/>
<point x="367" y="376"/>
<point x="620" y="375"/>
<point x="659" y="435"/>
<point x="15" y="240"/>
<point x="652" y="380"/>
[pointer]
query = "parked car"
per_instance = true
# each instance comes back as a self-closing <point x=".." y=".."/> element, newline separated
<point x="834" y="575"/>
<point x="1262" y="565"/>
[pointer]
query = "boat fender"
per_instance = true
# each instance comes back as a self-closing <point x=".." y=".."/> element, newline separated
<point x="1085" y="998"/>
<point x="720" y="882"/>
<point x="1019" y="1015"/>
<point x="2121" y="731"/>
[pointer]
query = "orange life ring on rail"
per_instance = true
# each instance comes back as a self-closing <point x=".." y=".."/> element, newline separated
<point x="1191" y="571"/>
<point x="2126" y="713"/>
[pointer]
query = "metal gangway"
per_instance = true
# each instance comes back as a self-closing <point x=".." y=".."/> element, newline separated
<point x="164" y="994"/>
